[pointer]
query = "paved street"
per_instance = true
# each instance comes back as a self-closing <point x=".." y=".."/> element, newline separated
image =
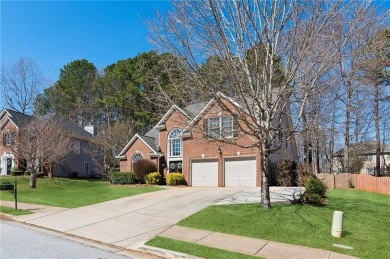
<point x="21" y="242"/>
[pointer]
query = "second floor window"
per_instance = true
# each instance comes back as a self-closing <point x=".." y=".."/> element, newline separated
<point x="8" y="139"/>
<point x="174" y="143"/>
<point x="76" y="147"/>
<point x="220" y="127"/>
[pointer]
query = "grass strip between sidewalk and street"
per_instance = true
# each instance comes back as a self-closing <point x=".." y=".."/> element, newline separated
<point x="70" y="193"/>
<point x="365" y="226"/>
<point x="195" y="249"/>
<point x="14" y="212"/>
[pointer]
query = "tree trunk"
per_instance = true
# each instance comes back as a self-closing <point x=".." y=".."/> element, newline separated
<point x="33" y="179"/>
<point x="264" y="170"/>
<point x="377" y="131"/>
<point x="347" y="124"/>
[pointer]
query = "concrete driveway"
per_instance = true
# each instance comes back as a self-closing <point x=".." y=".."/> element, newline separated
<point x="129" y="222"/>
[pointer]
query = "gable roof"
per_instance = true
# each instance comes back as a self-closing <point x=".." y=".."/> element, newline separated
<point x="148" y="141"/>
<point x="17" y="118"/>
<point x="169" y="112"/>
<point x="205" y="108"/>
<point x="22" y="120"/>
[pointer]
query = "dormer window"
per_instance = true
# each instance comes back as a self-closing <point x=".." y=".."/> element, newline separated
<point x="8" y="139"/>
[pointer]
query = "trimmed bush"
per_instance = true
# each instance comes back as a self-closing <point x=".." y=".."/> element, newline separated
<point x="153" y="178"/>
<point x="16" y="172"/>
<point x="175" y="179"/>
<point x="122" y="178"/>
<point x="115" y="170"/>
<point x="315" y="191"/>
<point x="143" y="167"/>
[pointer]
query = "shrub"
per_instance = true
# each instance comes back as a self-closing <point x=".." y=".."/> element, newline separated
<point x="284" y="172"/>
<point x="122" y="177"/>
<point x="153" y="178"/>
<point x="143" y="167"/>
<point x="27" y="172"/>
<point x="115" y="170"/>
<point x="175" y="179"/>
<point x="315" y="191"/>
<point x="17" y="172"/>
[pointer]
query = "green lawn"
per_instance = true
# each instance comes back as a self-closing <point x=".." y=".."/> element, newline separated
<point x="12" y="211"/>
<point x="366" y="223"/>
<point x="194" y="249"/>
<point x="70" y="193"/>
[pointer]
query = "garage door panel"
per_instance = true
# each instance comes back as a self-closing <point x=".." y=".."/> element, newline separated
<point x="204" y="173"/>
<point x="240" y="172"/>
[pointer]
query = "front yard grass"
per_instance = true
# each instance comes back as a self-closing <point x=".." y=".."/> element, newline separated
<point x="366" y="223"/>
<point x="12" y="211"/>
<point x="70" y="193"/>
<point x="195" y="249"/>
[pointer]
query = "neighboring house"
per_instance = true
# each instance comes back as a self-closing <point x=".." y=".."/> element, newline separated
<point x="184" y="141"/>
<point x="82" y="159"/>
<point x="365" y="154"/>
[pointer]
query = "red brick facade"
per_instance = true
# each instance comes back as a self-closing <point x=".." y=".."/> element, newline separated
<point x="195" y="146"/>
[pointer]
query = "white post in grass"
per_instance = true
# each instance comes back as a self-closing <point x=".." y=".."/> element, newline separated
<point x="337" y="224"/>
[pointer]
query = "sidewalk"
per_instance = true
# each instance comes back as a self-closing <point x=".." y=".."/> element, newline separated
<point x="249" y="246"/>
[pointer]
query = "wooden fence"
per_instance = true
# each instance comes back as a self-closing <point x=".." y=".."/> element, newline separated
<point x="362" y="182"/>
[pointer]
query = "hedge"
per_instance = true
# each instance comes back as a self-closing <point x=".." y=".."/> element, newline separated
<point x="122" y="177"/>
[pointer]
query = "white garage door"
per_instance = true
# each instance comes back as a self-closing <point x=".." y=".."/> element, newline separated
<point x="205" y="173"/>
<point x="240" y="172"/>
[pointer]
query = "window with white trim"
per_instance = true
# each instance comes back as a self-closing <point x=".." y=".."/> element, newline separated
<point x="8" y="138"/>
<point x="174" y="143"/>
<point x="220" y="127"/>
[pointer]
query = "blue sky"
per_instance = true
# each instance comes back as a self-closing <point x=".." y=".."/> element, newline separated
<point x="54" y="33"/>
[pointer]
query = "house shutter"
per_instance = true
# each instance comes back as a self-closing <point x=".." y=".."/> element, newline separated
<point x="3" y="139"/>
<point x="235" y="127"/>
<point x="205" y="128"/>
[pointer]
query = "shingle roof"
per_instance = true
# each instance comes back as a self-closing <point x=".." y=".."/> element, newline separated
<point x="150" y="141"/>
<point x="20" y="119"/>
<point x="195" y="108"/>
<point x="364" y="148"/>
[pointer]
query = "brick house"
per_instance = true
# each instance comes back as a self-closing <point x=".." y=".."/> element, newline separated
<point x="184" y="140"/>
<point x="81" y="159"/>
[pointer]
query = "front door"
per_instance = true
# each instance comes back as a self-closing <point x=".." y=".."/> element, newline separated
<point x="9" y="166"/>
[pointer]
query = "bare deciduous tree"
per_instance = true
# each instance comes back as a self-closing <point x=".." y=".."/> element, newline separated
<point x="20" y="84"/>
<point x="41" y="143"/>
<point x="273" y="54"/>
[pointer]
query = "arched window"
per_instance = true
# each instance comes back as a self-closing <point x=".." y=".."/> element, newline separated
<point x="174" y="143"/>
<point x="136" y="157"/>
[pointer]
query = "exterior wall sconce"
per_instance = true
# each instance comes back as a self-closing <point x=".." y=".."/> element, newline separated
<point x="238" y="153"/>
<point x="219" y="151"/>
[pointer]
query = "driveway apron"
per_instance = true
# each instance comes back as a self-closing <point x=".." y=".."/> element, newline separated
<point x="129" y="222"/>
